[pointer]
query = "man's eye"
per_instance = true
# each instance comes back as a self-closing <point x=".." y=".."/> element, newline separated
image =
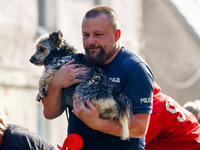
<point x="85" y="35"/>
<point x="42" y="49"/>
<point x="99" y="34"/>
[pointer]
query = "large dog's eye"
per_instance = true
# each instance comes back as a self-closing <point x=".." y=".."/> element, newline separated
<point x="42" y="49"/>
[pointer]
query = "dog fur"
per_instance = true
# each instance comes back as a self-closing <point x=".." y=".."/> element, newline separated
<point x="52" y="51"/>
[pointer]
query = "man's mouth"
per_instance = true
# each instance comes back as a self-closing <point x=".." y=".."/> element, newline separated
<point x="92" y="48"/>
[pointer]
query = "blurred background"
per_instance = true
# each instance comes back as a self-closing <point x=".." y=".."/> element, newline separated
<point x="166" y="33"/>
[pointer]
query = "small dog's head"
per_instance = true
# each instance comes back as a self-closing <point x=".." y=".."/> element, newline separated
<point x="44" y="45"/>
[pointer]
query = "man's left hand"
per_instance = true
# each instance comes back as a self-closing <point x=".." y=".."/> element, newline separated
<point x="90" y="116"/>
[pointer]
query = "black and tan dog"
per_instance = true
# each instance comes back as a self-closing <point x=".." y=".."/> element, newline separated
<point x="52" y="52"/>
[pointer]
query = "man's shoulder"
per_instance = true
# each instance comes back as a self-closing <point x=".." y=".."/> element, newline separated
<point x="131" y="62"/>
<point x="130" y="58"/>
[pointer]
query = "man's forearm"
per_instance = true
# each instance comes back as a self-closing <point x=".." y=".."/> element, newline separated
<point x="90" y="116"/>
<point x="53" y="102"/>
<point x="139" y="124"/>
<point x="137" y="129"/>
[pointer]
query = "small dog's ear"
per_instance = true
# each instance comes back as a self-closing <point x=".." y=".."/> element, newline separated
<point x="56" y="38"/>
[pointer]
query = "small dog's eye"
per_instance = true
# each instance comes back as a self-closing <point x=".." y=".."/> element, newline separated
<point x="42" y="49"/>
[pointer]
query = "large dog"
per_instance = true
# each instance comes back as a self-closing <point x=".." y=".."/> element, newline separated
<point x="52" y="52"/>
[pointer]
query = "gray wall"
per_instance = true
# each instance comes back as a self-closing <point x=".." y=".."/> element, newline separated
<point x="172" y="51"/>
<point x="18" y="79"/>
<point x="18" y="30"/>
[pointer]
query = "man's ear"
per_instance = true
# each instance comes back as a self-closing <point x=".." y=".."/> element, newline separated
<point x="117" y="34"/>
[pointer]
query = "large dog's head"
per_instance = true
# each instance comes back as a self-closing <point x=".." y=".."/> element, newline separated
<point x="45" y="44"/>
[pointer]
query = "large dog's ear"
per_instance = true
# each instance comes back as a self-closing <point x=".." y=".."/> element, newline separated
<point x="56" y="38"/>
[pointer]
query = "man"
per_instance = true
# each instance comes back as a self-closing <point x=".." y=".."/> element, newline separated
<point x="14" y="137"/>
<point x="101" y="35"/>
<point x="193" y="107"/>
<point x="171" y="127"/>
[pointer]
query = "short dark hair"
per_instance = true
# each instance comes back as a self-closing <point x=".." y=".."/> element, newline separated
<point x="100" y="9"/>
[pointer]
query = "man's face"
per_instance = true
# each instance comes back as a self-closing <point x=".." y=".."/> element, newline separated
<point x="98" y="39"/>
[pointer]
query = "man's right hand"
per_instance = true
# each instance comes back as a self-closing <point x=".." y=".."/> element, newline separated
<point x="67" y="75"/>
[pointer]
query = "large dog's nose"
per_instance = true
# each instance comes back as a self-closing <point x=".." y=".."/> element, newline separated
<point x="32" y="59"/>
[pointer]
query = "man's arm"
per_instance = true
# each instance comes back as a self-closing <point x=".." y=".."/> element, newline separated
<point x="65" y="77"/>
<point x="90" y="116"/>
<point x="137" y="129"/>
<point x="52" y="104"/>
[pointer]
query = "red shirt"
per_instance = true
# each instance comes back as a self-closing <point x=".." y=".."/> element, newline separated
<point x="171" y="126"/>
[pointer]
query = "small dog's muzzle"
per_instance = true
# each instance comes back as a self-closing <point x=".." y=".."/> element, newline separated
<point x="32" y="59"/>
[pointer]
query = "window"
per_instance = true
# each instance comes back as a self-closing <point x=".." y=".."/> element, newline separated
<point x="46" y="15"/>
<point x="101" y="2"/>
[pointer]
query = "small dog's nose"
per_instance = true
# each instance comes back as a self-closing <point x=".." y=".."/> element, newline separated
<point x="32" y="59"/>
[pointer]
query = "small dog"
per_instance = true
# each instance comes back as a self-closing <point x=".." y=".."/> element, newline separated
<point x="52" y="52"/>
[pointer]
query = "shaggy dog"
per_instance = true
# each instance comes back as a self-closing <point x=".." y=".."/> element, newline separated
<point x="52" y="52"/>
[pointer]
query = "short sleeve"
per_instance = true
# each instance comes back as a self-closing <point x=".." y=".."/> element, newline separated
<point x="139" y="86"/>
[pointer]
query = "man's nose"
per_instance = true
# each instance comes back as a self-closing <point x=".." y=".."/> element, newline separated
<point x="92" y="40"/>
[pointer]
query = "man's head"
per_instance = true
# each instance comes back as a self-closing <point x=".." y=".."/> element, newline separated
<point x="101" y="34"/>
<point x="193" y="107"/>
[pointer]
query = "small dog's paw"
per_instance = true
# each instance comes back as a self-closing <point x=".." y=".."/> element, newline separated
<point x="39" y="98"/>
<point x="44" y="93"/>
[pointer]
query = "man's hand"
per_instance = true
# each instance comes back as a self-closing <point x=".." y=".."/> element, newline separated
<point x="90" y="116"/>
<point x="67" y="75"/>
